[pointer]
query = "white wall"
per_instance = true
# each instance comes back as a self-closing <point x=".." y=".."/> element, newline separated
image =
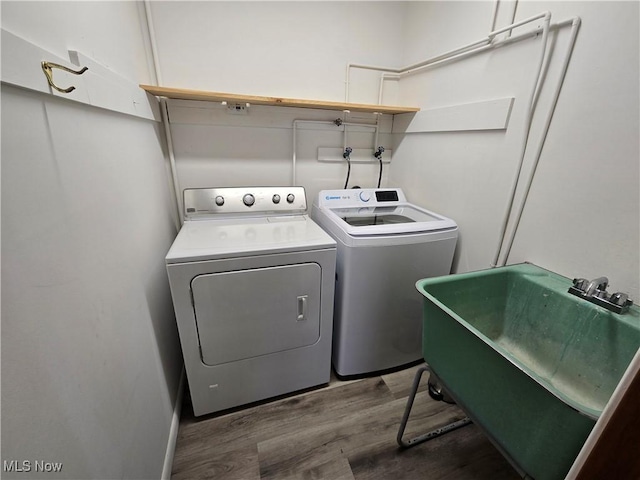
<point x="288" y="49"/>
<point x="300" y="49"/>
<point x="90" y="359"/>
<point x="582" y="215"/>
<point x="257" y="150"/>
<point x="90" y="355"/>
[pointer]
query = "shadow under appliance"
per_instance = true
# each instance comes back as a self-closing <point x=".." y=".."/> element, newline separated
<point x="252" y="281"/>
<point x="385" y="245"/>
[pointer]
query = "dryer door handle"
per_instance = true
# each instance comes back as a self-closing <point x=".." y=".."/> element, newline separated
<point x="302" y="307"/>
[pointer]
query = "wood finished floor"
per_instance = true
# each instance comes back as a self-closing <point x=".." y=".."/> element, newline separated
<point x="346" y="430"/>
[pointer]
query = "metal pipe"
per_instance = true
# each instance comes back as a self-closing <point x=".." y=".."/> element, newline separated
<point x="498" y="43"/>
<point x="344" y="132"/>
<point x="410" y="67"/>
<point x="321" y="122"/>
<point x="460" y="56"/>
<point x="543" y="15"/>
<point x="575" y="22"/>
<point x="450" y="58"/>
<point x="513" y="16"/>
<point x="377" y="131"/>
<point x="494" y="15"/>
<point x="152" y="40"/>
<point x="446" y="55"/>
<point x="419" y="64"/>
<point x="455" y="54"/>
<point x="526" y="133"/>
<point x="575" y="25"/>
<point x="346" y="83"/>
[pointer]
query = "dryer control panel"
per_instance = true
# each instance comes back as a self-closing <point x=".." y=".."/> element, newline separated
<point x="204" y="202"/>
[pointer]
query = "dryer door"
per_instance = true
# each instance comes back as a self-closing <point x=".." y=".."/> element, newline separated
<point x="248" y="313"/>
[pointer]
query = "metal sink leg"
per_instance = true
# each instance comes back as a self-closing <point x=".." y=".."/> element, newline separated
<point x="407" y="411"/>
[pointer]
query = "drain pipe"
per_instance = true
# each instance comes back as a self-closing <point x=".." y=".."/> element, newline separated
<point x="473" y="48"/>
<point x="378" y="68"/>
<point x="513" y="16"/>
<point x="575" y="25"/>
<point x="488" y="46"/>
<point x="152" y="40"/>
<point x="494" y="15"/>
<point x="477" y="47"/>
<point x="448" y="54"/>
<point x="525" y="140"/>
<point x="533" y="99"/>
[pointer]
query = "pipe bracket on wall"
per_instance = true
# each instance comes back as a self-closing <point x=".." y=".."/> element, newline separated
<point x="47" y="68"/>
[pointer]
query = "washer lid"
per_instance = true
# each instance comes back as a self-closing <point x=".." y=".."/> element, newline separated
<point x="388" y="220"/>
<point x="233" y="237"/>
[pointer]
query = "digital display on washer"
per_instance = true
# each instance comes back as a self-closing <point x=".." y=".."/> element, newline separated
<point x="387" y="196"/>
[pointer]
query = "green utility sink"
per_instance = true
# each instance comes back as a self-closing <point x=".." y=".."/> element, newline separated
<point x="530" y="363"/>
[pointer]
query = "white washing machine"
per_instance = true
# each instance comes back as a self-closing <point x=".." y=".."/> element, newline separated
<point x="385" y="245"/>
<point x="252" y="281"/>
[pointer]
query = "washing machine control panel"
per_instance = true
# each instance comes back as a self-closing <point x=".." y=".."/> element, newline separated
<point x="358" y="197"/>
<point x="364" y="195"/>
<point x="238" y="200"/>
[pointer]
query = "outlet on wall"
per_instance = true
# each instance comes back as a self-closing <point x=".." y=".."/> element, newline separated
<point x="237" y="108"/>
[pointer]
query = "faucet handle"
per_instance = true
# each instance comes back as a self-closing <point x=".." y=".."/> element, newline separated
<point x="619" y="298"/>
<point x="580" y="283"/>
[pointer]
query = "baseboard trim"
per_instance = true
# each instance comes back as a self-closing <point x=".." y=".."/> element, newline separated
<point x="173" y="432"/>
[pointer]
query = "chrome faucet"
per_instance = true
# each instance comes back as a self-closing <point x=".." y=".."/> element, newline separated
<point x="595" y="291"/>
<point x="596" y="285"/>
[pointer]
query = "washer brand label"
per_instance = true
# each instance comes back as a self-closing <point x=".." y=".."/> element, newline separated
<point x="337" y="197"/>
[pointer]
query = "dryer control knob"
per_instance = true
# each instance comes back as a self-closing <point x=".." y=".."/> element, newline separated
<point x="248" y="199"/>
<point x="276" y="198"/>
<point x="364" y="196"/>
<point x="291" y="198"/>
<point x="219" y="200"/>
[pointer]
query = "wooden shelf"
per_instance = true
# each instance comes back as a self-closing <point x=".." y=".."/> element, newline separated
<point x="185" y="94"/>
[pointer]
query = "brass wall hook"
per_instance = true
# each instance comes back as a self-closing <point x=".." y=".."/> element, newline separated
<point x="47" y="68"/>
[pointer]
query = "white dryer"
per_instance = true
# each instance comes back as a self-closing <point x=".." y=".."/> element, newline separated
<point x="252" y="281"/>
<point x="385" y="245"/>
